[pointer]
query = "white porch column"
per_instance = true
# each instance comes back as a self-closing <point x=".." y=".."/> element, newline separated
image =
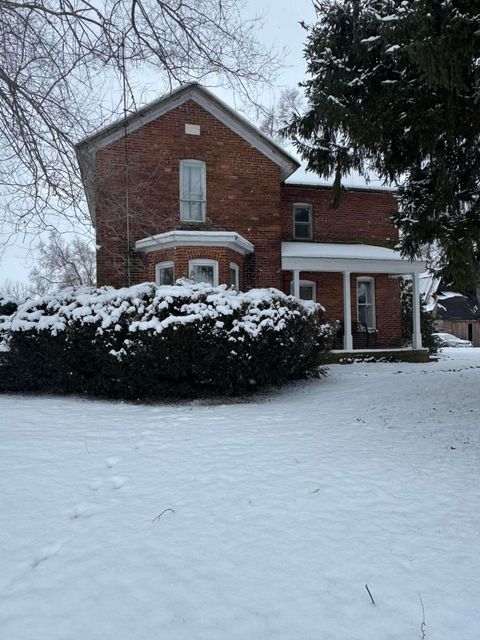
<point x="296" y="284"/>
<point x="347" y="313"/>
<point x="417" y="331"/>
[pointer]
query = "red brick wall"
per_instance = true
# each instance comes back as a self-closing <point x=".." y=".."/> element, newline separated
<point x="182" y="255"/>
<point x="362" y="216"/>
<point x="243" y="191"/>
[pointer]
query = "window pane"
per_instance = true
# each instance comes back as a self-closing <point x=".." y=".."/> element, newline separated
<point x="202" y="273"/>
<point x="185" y="181"/>
<point x="364" y="315"/>
<point x="196" y="187"/>
<point x="194" y="211"/>
<point x="302" y="214"/>
<point x="365" y="302"/>
<point x="192" y="186"/>
<point x="364" y="292"/>
<point x="306" y="292"/>
<point x="302" y="230"/>
<point x="165" y="276"/>
<point x="233" y="278"/>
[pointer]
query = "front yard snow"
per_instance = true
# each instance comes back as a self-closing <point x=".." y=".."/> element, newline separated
<point x="256" y="520"/>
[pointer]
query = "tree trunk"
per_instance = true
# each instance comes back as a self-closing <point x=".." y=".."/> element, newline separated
<point x="477" y="281"/>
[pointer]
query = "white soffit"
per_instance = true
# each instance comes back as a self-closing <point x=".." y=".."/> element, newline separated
<point x="174" y="239"/>
<point x="324" y="256"/>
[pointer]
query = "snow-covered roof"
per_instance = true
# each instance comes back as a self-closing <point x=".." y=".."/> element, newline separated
<point x="429" y="284"/>
<point x="353" y="180"/>
<point x="445" y="295"/>
<point x="336" y="250"/>
<point x="456" y="306"/>
<point x="173" y="239"/>
<point x="325" y="256"/>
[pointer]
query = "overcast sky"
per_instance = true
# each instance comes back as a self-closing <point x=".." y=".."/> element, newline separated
<point x="281" y="29"/>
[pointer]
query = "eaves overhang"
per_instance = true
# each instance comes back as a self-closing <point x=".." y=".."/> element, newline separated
<point x="175" y="239"/>
<point x="353" y="258"/>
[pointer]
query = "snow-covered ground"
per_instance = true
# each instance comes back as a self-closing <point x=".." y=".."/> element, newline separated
<point x="253" y="520"/>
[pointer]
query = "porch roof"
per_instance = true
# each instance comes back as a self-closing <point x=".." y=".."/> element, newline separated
<point x="357" y="258"/>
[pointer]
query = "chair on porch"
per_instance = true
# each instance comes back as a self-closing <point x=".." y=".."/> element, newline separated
<point x="364" y="337"/>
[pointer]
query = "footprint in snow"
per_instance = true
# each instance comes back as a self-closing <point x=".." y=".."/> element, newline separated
<point x="117" y="482"/>
<point x="112" y="461"/>
<point x="46" y="552"/>
<point x="83" y="510"/>
<point x="139" y="444"/>
<point x="95" y="485"/>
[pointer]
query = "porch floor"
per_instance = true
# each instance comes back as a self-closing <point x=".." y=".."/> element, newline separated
<point x="404" y="354"/>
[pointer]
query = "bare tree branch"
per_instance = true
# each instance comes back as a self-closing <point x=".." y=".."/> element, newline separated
<point x="55" y="56"/>
<point x="273" y="119"/>
<point x="63" y="264"/>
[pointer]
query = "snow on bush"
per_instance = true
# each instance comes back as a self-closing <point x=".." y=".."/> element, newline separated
<point x="145" y="341"/>
<point x="8" y="304"/>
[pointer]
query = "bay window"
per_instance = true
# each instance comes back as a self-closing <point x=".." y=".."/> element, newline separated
<point x="204" y="271"/>
<point x="234" y="275"/>
<point x="164" y="273"/>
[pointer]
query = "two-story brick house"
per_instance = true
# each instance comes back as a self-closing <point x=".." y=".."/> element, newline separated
<point x="187" y="187"/>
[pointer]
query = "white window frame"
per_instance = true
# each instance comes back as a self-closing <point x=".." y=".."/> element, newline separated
<point x="374" y="312"/>
<point x="168" y="264"/>
<point x="183" y="200"/>
<point x="234" y="266"/>
<point x="306" y="283"/>
<point x="205" y="263"/>
<point x="310" y="222"/>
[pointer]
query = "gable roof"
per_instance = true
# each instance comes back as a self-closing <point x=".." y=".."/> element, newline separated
<point x="86" y="148"/>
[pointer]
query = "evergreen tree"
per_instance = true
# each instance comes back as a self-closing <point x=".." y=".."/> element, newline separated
<point x="394" y="88"/>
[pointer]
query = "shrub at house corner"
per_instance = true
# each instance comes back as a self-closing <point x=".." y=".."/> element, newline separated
<point x="148" y="341"/>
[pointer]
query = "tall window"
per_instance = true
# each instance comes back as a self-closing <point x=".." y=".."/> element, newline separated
<point x="302" y="221"/>
<point x="192" y="190"/>
<point x="366" y="301"/>
<point x="307" y="290"/>
<point x="234" y="276"/>
<point x="204" y="271"/>
<point x="164" y="273"/>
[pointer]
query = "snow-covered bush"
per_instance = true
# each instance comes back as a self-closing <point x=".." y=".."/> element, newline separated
<point x="149" y="341"/>
<point x="8" y="304"/>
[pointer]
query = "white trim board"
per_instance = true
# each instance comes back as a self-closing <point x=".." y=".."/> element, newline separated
<point x="319" y="256"/>
<point x="174" y="239"/>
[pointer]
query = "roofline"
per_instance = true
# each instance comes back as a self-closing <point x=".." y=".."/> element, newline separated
<point x="346" y="187"/>
<point x="189" y="88"/>
<point x="181" y="238"/>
